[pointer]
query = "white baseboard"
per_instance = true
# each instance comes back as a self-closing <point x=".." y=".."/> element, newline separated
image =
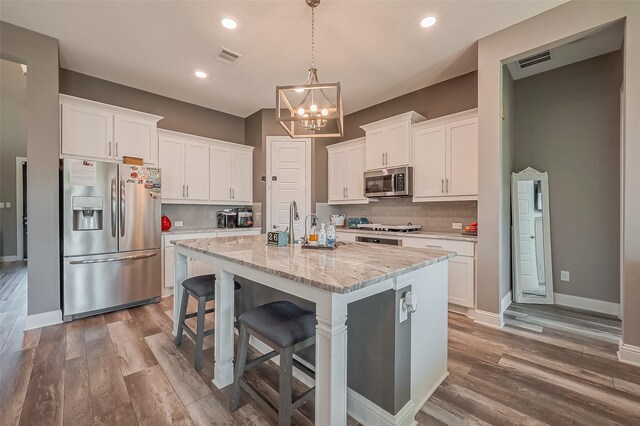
<point x="593" y="305"/>
<point x="9" y="258"/>
<point x="420" y="404"/>
<point x="43" y="319"/>
<point x="629" y="354"/>
<point x="463" y="310"/>
<point x="506" y="301"/>
<point x="489" y="318"/>
<point x="368" y="413"/>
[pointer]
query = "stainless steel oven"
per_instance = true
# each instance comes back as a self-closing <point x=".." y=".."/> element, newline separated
<point x="395" y="182"/>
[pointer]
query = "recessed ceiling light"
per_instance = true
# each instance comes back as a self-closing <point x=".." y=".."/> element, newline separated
<point x="229" y="23"/>
<point x="427" y="22"/>
<point x="201" y="74"/>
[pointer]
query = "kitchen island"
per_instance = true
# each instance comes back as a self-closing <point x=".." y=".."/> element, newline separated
<point x="332" y="280"/>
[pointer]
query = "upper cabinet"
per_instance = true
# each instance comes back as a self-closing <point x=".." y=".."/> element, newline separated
<point x="445" y="158"/>
<point x="388" y="141"/>
<point x="197" y="170"/>
<point x="96" y="130"/>
<point x="346" y="168"/>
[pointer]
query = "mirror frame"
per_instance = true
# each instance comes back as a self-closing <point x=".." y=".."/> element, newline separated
<point x="527" y="175"/>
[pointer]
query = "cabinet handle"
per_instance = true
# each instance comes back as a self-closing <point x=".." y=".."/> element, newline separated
<point x="383" y="158"/>
<point x="443" y="186"/>
<point x="187" y="191"/>
<point x="347" y="188"/>
<point x="386" y="158"/>
<point x="229" y="193"/>
<point x="233" y="193"/>
<point x="109" y="148"/>
<point x="116" y="149"/>
<point x="447" y="185"/>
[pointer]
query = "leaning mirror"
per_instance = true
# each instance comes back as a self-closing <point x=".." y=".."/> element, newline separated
<point x="531" y="237"/>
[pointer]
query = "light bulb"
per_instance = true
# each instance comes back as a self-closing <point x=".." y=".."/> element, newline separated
<point x="301" y="111"/>
<point x="299" y="90"/>
<point x="325" y="112"/>
<point x="313" y="108"/>
<point x="427" y="22"/>
<point x="201" y="74"/>
<point x="229" y="23"/>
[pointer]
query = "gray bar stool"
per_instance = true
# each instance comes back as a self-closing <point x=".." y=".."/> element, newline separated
<point x="286" y="328"/>
<point x="202" y="288"/>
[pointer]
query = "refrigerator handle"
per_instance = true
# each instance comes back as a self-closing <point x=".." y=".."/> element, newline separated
<point x="122" y="207"/>
<point x="114" y="207"/>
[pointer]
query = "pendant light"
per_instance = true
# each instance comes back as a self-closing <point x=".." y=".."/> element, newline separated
<point x="312" y="108"/>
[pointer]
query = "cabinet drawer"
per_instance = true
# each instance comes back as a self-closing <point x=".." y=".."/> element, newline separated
<point x="462" y="248"/>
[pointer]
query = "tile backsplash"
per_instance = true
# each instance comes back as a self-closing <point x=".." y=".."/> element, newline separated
<point x="433" y="216"/>
<point x="194" y="215"/>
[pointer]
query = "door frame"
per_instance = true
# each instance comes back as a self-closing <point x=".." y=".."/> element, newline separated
<point x="19" y="208"/>
<point x="307" y="142"/>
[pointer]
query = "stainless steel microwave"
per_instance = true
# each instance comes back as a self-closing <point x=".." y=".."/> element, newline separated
<point x="395" y="182"/>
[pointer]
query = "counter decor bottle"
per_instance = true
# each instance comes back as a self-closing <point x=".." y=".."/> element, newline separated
<point x="313" y="233"/>
<point x="322" y="235"/>
<point x="331" y="234"/>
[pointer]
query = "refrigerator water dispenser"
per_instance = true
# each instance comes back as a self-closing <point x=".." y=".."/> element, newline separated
<point x="87" y="213"/>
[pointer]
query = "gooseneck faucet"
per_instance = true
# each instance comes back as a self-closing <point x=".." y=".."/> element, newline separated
<point x="293" y="215"/>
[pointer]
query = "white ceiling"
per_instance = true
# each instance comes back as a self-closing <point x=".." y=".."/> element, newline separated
<point x="376" y="49"/>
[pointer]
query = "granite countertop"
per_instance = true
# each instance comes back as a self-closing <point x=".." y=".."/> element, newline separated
<point x="181" y="230"/>
<point x="455" y="236"/>
<point x="349" y="267"/>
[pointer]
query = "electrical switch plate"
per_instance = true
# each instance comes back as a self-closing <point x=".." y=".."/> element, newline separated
<point x="178" y="223"/>
<point x="1" y="205"/>
<point x="403" y="311"/>
<point x="457" y="225"/>
<point x="565" y="276"/>
<point x="7" y="205"/>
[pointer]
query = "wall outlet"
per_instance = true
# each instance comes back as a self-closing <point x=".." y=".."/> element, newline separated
<point x="178" y="223"/>
<point x="404" y="314"/>
<point x="1" y="205"/>
<point x="456" y="225"/>
<point x="7" y="205"/>
<point x="565" y="276"/>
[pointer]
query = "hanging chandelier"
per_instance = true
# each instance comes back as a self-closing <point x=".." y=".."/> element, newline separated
<point x="313" y="108"/>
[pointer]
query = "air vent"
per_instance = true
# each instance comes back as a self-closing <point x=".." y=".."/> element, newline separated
<point x="227" y="56"/>
<point x="535" y="59"/>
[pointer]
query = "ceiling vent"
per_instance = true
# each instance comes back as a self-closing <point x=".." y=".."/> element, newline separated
<point x="535" y="59"/>
<point x="227" y="56"/>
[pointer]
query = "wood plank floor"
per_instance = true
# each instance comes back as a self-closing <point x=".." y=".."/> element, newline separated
<point x="549" y="365"/>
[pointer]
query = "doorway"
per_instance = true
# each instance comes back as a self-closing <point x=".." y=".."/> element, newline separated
<point x="288" y="179"/>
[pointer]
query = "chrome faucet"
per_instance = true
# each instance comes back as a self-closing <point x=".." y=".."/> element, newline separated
<point x="293" y="215"/>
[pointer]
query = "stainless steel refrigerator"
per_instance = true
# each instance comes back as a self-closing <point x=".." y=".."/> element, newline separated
<point x="111" y="236"/>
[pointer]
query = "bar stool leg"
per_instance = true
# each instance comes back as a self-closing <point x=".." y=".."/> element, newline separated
<point x="285" y="409"/>
<point x="202" y="306"/>
<point x="183" y="313"/>
<point x="241" y="360"/>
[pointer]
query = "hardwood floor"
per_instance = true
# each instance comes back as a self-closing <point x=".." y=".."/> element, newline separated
<point x="549" y="365"/>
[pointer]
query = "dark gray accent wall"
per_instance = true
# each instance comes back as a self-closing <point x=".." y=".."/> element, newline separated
<point x="567" y="123"/>
<point x="178" y="116"/>
<point x="40" y="53"/>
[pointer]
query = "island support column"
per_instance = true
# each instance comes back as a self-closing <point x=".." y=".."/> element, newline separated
<point x="223" y="349"/>
<point x="180" y="274"/>
<point x="331" y="360"/>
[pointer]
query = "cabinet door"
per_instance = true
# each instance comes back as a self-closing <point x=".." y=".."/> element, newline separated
<point x="354" y="170"/>
<point x="241" y="177"/>
<point x="375" y="149"/>
<point x="135" y="138"/>
<point x="169" y="267"/>
<point x="171" y="163"/>
<point x="461" y="281"/>
<point x="337" y="183"/>
<point x="87" y="132"/>
<point x="220" y="173"/>
<point x="397" y="144"/>
<point x="462" y="157"/>
<point x="429" y="154"/>
<point x="196" y="165"/>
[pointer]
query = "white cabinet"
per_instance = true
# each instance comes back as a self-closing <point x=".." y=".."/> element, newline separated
<point x="445" y="158"/>
<point x="198" y="170"/>
<point x="461" y="267"/>
<point x="346" y="162"/>
<point x="169" y="267"/>
<point x="388" y="141"/>
<point x="96" y="130"/>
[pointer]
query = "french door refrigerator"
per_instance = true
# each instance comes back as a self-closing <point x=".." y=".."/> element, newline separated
<point x="110" y="236"/>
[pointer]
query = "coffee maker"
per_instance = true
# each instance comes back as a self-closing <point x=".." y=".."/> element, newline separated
<point x="244" y="218"/>
<point x="227" y="218"/>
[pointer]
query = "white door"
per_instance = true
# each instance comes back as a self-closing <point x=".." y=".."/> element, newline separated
<point x="220" y="173"/>
<point x="526" y="239"/>
<point x="87" y="132"/>
<point x="337" y="187"/>
<point x="171" y="163"/>
<point x="429" y="154"/>
<point x="354" y="171"/>
<point x="289" y="167"/>
<point x="375" y="149"/>
<point x="462" y="157"/>
<point x="196" y="165"/>
<point x="135" y="138"/>
<point x="242" y="177"/>
<point x="396" y="144"/>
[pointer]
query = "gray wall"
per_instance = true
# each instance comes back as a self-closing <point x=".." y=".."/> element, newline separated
<point x="508" y="118"/>
<point x="13" y="143"/>
<point x="567" y="122"/>
<point x="178" y="116"/>
<point x="40" y="53"/>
